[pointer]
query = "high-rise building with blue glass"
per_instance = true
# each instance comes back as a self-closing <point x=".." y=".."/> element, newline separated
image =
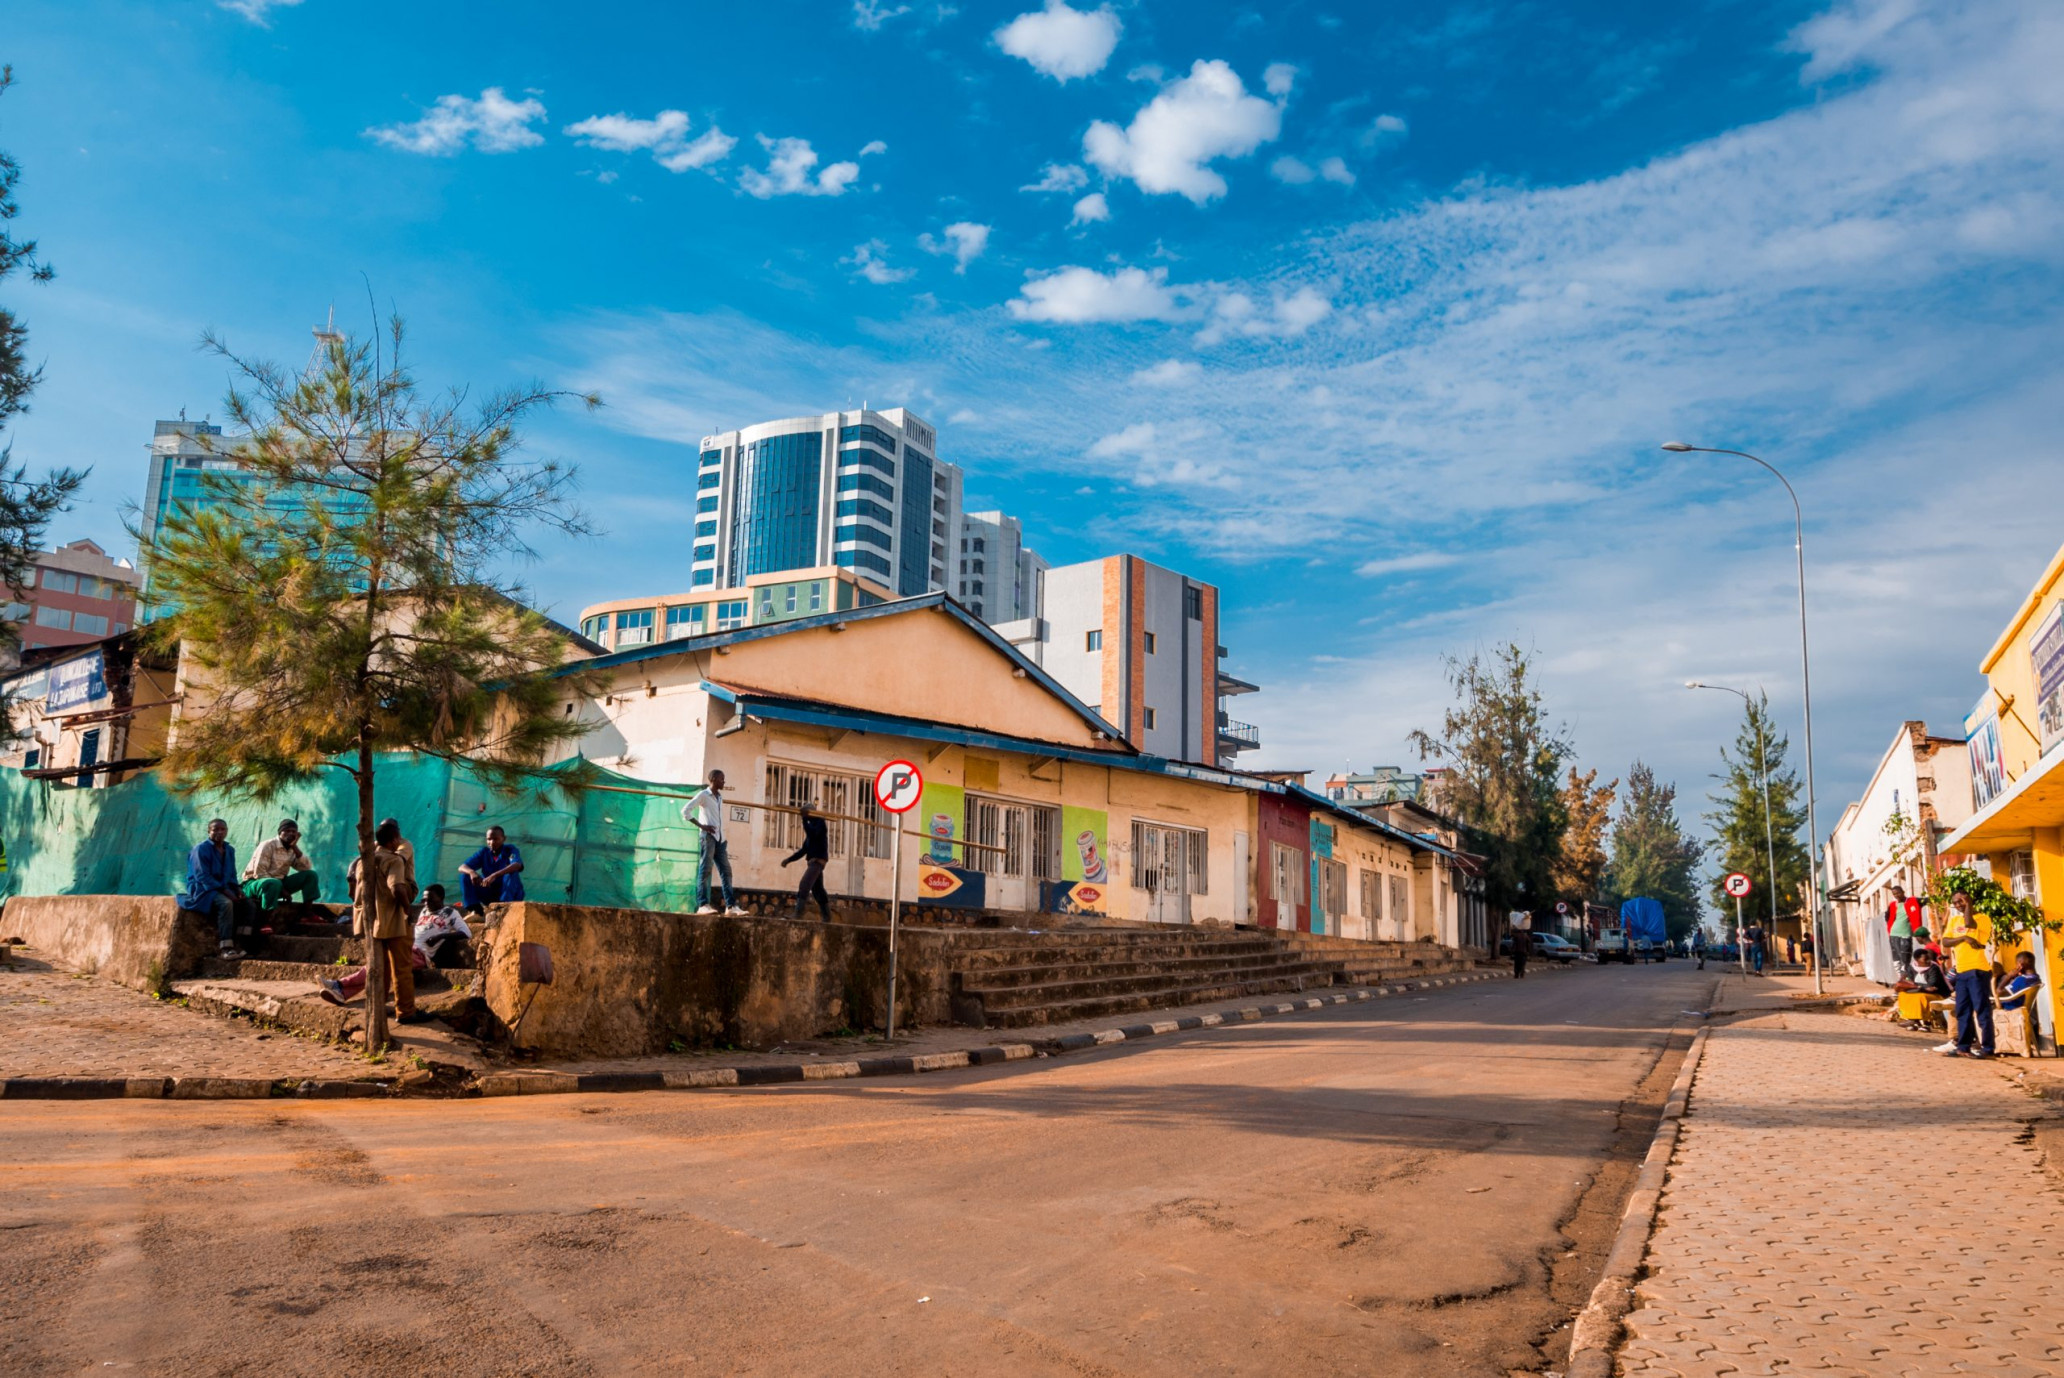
<point x="863" y="490"/>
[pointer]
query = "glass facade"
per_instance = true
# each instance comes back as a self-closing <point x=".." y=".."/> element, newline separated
<point x="851" y="458"/>
<point x="775" y="526"/>
<point x="914" y="572"/>
<point x="866" y="534"/>
<point x="873" y="435"/>
<point x="862" y="559"/>
<point x="865" y="483"/>
<point x="861" y="507"/>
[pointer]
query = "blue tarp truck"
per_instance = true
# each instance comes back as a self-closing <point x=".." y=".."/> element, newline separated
<point x="1647" y="935"/>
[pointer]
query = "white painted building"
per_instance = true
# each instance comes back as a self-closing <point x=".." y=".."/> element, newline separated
<point x="998" y="578"/>
<point x="1922" y="778"/>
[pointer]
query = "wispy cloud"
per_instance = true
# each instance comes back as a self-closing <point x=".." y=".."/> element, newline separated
<point x="1083" y="296"/>
<point x="870" y="15"/>
<point x="869" y="261"/>
<point x="489" y="123"/>
<point x="259" y="12"/>
<point x="789" y="171"/>
<point x="665" y="136"/>
<point x="964" y="240"/>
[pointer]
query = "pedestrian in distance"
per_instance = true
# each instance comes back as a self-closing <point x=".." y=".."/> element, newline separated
<point x="1753" y="939"/>
<point x="706" y="812"/>
<point x="815" y="851"/>
<point x="211" y="886"/>
<point x="1698" y="947"/>
<point x="1903" y="919"/>
<point x="1806" y="950"/>
<point x="492" y="875"/>
<point x="1970" y="965"/>
<point x="1521" y="922"/>
<point x="279" y="871"/>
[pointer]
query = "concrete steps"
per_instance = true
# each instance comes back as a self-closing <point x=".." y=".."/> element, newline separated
<point x="1086" y="975"/>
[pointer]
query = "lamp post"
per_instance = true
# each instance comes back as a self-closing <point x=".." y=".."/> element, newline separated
<point x="1805" y="695"/>
<point x="1762" y="769"/>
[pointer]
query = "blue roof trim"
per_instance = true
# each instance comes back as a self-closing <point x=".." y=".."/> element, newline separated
<point x="1121" y="757"/>
<point x="740" y="635"/>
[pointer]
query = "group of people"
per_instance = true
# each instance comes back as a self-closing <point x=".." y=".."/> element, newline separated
<point x="704" y="811"/>
<point x="1755" y="948"/>
<point x="1959" y="968"/>
<point x="407" y="930"/>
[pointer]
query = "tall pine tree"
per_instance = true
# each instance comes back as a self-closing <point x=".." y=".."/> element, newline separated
<point x="1506" y="767"/>
<point x="1651" y="856"/>
<point x="1737" y="819"/>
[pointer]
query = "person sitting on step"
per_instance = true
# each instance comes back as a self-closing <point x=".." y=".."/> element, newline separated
<point x="211" y="886"/>
<point x="279" y="870"/>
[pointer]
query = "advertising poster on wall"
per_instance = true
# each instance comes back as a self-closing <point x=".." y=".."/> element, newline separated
<point x="2046" y="656"/>
<point x="1988" y="768"/>
<point x="942" y="814"/>
<point x="1085" y="866"/>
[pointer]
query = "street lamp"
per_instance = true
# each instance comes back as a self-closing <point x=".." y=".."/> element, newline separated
<point x="1806" y="697"/>
<point x="1762" y="769"/>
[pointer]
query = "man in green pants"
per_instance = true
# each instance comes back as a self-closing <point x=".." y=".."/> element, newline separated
<point x="280" y="870"/>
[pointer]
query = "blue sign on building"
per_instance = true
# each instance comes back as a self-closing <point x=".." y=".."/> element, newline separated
<point x="76" y="682"/>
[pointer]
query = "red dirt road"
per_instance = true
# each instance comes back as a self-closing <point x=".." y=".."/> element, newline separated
<point x="1372" y="1189"/>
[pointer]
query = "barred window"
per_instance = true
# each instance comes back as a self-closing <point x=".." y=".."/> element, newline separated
<point x="828" y="792"/>
<point x="1013" y="840"/>
<point x="1170" y="858"/>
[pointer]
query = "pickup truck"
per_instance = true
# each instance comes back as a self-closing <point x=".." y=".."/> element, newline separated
<point x="1614" y="945"/>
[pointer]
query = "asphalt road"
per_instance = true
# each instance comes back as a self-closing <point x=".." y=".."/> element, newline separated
<point x="1417" y="1186"/>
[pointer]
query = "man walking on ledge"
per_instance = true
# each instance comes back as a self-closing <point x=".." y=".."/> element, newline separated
<point x="814" y="852"/>
<point x="706" y="812"/>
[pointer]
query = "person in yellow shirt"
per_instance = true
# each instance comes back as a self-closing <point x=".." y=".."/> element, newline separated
<point x="1965" y="940"/>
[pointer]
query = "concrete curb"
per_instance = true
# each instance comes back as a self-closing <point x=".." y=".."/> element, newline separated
<point x="1596" y="1334"/>
<point x="547" y="1083"/>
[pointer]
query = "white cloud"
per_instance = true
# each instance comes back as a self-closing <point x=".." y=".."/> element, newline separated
<point x="872" y="147"/>
<point x="1236" y="313"/>
<point x="259" y="12"/>
<point x="1278" y="78"/>
<point x="1170" y="143"/>
<point x="1169" y="373"/>
<point x="1407" y="564"/>
<point x="1059" y="177"/>
<point x="665" y="136"/>
<point x="1062" y="42"/>
<point x="870" y="15"/>
<point x="867" y="261"/>
<point x="491" y="124"/>
<point x="1090" y="209"/>
<point x="963" y="239"/>
<point x="1083" y="296"/>
<point x="1159" y="456"/>
<point x="1383" y="131"/>
<point x="1295" y="171"/>
<point x="1337" y="170"/>
<point x="789" y="163"/>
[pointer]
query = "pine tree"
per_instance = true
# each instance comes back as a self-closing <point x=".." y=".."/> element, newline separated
<point x="26" y="504"/>
<point x="1505" y="768"/>
<point x="1739" y="838"/>
<point x="1651" y="856"/>
<point x="344" y="600"/>
<point x="1587" y="805"/>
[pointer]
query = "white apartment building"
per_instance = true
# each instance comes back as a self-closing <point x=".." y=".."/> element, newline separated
<point x="1923" y="779"/>
<point x="1140" y="644"/>
<point x="998" y="578"/>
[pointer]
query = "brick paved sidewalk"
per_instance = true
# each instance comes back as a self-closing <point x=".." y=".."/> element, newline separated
<point x="1806" y="1227"/>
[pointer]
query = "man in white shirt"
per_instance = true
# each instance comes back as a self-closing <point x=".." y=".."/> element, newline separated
<point x="706" y="812"/>
<point x="280" y="870"/>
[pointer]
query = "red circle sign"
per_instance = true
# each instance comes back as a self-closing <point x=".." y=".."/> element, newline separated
<point x="898" y="786"/>
<point x="1737" y="884"/>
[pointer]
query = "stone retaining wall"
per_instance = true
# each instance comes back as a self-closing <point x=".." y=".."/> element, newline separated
<point x="142" y="941"/>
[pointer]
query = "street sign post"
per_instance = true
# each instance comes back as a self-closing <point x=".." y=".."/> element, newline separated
<point x="897" y="788"/>
<point x="1738" y="885"/>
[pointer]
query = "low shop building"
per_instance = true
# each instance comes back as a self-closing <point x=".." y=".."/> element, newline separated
<point x="1032" y="802"/>
<point x="2015" y="750"/>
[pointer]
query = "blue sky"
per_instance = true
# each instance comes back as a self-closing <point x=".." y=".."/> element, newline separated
<point x="1373" y="319"/>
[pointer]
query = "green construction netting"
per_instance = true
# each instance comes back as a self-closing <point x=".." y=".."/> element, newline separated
<point x="601" y="845"/>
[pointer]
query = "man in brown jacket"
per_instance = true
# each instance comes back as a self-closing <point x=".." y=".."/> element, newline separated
<point x="380" y="900"/>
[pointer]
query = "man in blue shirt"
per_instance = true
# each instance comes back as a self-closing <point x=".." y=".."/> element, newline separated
<point x="211" y="885"/>
<point x="492" y="875"/>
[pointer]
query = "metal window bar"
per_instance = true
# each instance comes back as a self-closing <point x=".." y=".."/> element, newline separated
<point x="1046" y="843"/>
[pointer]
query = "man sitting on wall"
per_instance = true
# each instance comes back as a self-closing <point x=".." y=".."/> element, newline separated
<point x="280" y="870"/>
<point x="211" y="885"/>
<point x="492" y="875"/>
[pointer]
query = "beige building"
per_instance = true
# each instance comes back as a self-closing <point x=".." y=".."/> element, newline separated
<point x="1032" y="801"/>
<point x="89" y="715"/>
<point x="623" y="623"/>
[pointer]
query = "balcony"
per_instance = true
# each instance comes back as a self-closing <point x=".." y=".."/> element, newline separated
<point x="1237" y="736"/>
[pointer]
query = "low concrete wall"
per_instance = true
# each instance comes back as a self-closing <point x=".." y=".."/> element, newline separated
<point x="138" y="940"/>
<point x="632" y="981"/>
